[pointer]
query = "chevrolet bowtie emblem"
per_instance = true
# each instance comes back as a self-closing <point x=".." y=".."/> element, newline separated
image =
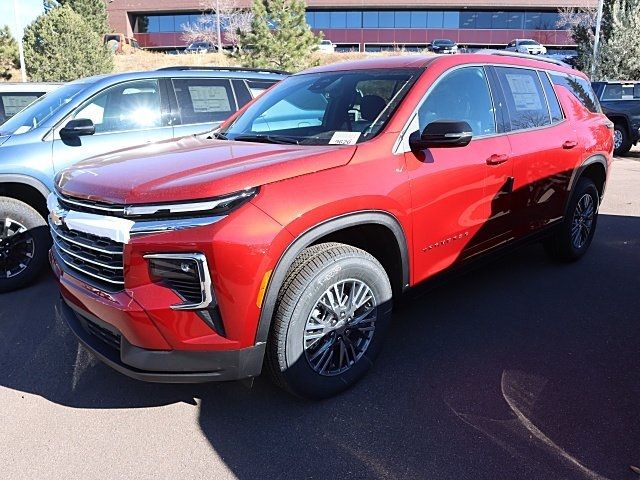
<point x="57" y="217"/>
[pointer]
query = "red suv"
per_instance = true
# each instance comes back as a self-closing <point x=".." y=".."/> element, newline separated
<point x="284" y="236"/>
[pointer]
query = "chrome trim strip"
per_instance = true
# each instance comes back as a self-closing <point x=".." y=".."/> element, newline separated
<point x="73" y="254"/>
<point x="102" y="279"/>
<point x="203" y="274"/>
<point x="92" y="206"/>
<point x="135" y="210"/>
<point x="160" y="226"/>
<point x="80" y="244"/>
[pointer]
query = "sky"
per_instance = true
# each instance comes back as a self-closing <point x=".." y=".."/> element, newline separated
<point x="27" y="11"/>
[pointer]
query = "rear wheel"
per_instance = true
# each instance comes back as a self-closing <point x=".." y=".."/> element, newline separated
<point x="573" y="238"/>
<point x="24" y="243"/>
<point x="621" y="140"/>
<point x="330" y="321"/>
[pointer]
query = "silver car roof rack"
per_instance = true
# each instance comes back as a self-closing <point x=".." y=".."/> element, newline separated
<point x="505" y="53"/>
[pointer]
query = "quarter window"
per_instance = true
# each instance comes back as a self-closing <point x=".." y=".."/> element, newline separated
<point x="125" y="107"/>
<point x="525" y="99"/>
<point x="461" y="95"/>
<point x="580" y="88"/>
<point x="203" y="100"/>
<point x="552" y="100"/>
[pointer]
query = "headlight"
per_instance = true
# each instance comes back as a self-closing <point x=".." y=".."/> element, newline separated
<point x="213" y="206"/>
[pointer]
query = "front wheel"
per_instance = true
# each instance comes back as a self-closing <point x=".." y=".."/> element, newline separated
<point x="330" y="321"/>
<point x="572" y="240"/>
<point x="24" y="243"/>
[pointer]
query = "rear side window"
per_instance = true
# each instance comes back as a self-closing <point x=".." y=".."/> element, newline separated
<point x="552" y="100"/>
<point x="243" y="95"/>
<point x="12" y="103"/>
<point x="616" y="91"/>
<point x="525" y="98"/>
<point x="580" y="88"/>
<point x="204" y="100"/>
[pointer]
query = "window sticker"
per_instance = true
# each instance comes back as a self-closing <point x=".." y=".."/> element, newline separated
<point x="524" y="91"/>
<point x="209" y="99"/>
<point x="344" y="138"/>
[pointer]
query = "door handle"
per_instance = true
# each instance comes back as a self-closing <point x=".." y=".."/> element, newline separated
<point x="497" y="159"/>
<point x="569" y="144"/>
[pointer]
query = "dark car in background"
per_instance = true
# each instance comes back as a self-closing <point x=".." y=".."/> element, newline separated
<point x="620" y="102"/>
<point x="444" y="45"/>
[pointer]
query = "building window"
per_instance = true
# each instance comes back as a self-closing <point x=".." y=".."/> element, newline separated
<point x="403" y="19"/>
<point x="385" y="20"/>
<point x="354" y="19"/>
<point x="499" y="20"/>
<point x="515" y="20"/>
<point x="182" y="22"/>
<point x="309" y="17"/>
<point x="434" y="19"/>
<point x="338" y="19"/>
<point x="323" y="20"/>
<point x="468" y="20"/>
<point x="370" y="19"/>
<point x="418" y="19"/>
<point x="451" y="20"/>
<point x="166" y="23"/>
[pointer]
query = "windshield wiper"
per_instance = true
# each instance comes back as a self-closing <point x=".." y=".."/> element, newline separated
<point x="217" y="136"/>
<point x="268" y="139"/>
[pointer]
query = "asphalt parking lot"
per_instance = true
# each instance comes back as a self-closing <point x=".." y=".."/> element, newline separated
<point x="521" y="369"/>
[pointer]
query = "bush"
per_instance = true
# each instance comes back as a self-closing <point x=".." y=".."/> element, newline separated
<point x="60" y="46"/>
<point x="279" y="37"/>
<point x="8" y="53"/>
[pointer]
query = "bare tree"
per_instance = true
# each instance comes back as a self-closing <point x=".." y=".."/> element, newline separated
<point x="218" y="17"/>
<point x="578" y="16"/>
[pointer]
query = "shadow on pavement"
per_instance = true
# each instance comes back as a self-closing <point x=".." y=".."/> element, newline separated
<point x="520" y="369"/>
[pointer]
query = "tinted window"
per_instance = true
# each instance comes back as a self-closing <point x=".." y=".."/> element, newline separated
<point x="468" y="19"/>
<point x="243" y="95"/>
<point x="580" y="88"/>
<point x="515" y="20"/>
<point x="125" y="107"/>
<point x="500" y="20"/>
<point x="403" y="19"/>
<point x="310" y="19"/>
<point x="483" y="20"/>
<point x="418" y="19"/>
<point x="552" y="100"/>
<point x="461" y="95"/>
<point x="370" y="19"/>
<point x="524" y="96"/>
<point x="203" y="100"/>
<point x="385" y="20"/>
<point x="259" y="86"/>
<point x="451" y="20"/>
<point x="12" y="103"/>
<point x="434" y="19"/>
<point x="338" y="19"/>
<point x="166" y="23"/>
<point x="322" y="20"/>
<point x="354" y="20"/>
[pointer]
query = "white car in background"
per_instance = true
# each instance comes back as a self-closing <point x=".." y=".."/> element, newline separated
<point x="326" y="46"/>
<point x="15" y="96"/>
<point x="526" y="45"/>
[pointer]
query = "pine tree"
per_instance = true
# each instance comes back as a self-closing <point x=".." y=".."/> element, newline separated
<point x="619" y="54"/>
<point x="60" y="46"/>
<point x="8" y="53"/>
<point x="94" y="12"/>
<point x="279" y="36"/>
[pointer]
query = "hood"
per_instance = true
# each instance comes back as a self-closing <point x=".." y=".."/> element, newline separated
<point x="193" y="168"/>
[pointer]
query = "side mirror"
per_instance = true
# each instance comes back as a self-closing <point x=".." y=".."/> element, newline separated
<point x="442" y="133"/>
<point x="77" y="128"/>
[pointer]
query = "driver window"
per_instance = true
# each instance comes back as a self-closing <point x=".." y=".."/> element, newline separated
<point x="125" y="107"/>
<point x="461" y="95"/>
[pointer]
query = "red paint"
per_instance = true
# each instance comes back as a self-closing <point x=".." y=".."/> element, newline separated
<point x="446" y="206"/>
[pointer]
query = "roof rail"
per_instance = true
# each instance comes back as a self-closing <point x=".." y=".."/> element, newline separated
<point x="505" y="53"/>
<point x="225" y="69"/>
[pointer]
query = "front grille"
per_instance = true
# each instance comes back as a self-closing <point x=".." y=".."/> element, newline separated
<point x="89" y="206"/>
<point x="107" y="336"/>
<point x="97" y="260"/>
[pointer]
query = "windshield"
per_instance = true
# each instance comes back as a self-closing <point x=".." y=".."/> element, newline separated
<point x="443" y="42"/>
<point x="336" y="108"/>
<point x="41" y="110"/>
<point x="528" y="42"/>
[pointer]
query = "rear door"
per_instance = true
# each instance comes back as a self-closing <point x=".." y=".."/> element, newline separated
<point x="200" y="104"/>
<point x="124" y="115"/>
<point x="544" y="148"/>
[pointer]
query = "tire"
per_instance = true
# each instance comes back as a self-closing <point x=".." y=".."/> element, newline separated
<point x="621" y="139"/>
<point x="562" y="246"/>
<point x="296" y="362"/>
<point x="24" y="244"/>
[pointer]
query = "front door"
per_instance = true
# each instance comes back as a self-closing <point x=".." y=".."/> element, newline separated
<point x="455" y="190"/>
<point x="124" y="115"/>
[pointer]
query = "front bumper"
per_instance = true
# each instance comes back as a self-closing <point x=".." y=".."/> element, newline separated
<point x="165" y="366"/>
